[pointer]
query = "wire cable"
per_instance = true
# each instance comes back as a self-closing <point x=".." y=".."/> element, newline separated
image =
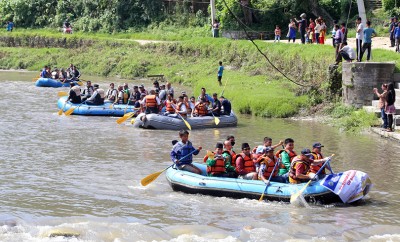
<point x="241" y="24"/>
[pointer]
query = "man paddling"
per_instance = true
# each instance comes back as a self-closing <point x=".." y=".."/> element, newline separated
<point x="181" y="150"/>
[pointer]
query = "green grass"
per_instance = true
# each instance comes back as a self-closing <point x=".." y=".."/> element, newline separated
<point x="252" y="84"/>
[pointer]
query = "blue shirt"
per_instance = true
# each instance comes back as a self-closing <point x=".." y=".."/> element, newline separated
<point x="397" y="32"/>
<point x="368" y="35"/>
<point x="180" y="150"/>
<point x="220" y="70"/>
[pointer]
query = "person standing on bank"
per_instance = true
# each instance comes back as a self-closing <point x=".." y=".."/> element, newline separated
<point x="220" y="72"/>
<point x="390" y="108"/>
<point x="215" y="28"/>
<point x="302" y="27"/>
<point x="359" y="37"/>
<point x="382" y="101"/>
<point x="368" y="34"/>
<point x="182" y="149"/>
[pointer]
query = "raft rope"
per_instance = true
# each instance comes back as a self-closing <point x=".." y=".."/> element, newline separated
<point x="242" y="25"/>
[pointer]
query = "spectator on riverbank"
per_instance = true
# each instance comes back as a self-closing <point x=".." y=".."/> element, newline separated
<point x="277" y="34"/>
<point x="215" y="28"/>
<point x="382" y="102"/>
<point x="397" y="37"/>
<point x="368" y="34"/>
<point x="347" y="52"/>
<point x="322" y="32"/>
<point x="390" y="108"/>
<point x="338" y="42"/>
<point x="359" y="37"/>
<point x="10" y="26"/>
<point x="220" y="72"/>
<point x="292" y="31"/>
<point x="392" y="26"/>
<point x="302" y="27"/>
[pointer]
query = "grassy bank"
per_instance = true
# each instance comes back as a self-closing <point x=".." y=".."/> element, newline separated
<point x="252" y="84"/>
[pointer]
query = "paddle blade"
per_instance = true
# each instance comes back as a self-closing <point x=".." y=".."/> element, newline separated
<point x="69" y="111"/>
<point x="80" y="83"/>
<point x="124" y="118"/>
<point x="294" y="198"/>
<point x="60" y="112"/>
<point x="216" y="120"/>
<point x="62" y="94"/>
<point x="187" y="124"/>
<point x="150" y="178"/>
<point x="261" y="198"/>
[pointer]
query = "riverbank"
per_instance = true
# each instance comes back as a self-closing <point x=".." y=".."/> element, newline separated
<point x="249" y="81"/>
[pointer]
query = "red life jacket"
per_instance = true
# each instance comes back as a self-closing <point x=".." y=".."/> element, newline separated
<point x="248" y="165"/>
<point x="201" y="109"/>
<point x="168" y="106"/>
<point x="292" y="172"/>
<point x="151" y="101"/>
<point x="219" y="166"/>
<point x="270" y="166"/>
<point x="316" y="168"/>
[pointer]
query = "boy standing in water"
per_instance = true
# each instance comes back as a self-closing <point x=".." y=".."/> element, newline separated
<point x="220" y="71"/>
<point x="182" y="149"/>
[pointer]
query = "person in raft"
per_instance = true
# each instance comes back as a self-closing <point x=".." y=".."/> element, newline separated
<point x="97" y="97"/>
<point x="218" y="164"/>
<point x="286" y="155"/>
<point x="300" y="167"/>
<point x="182" y="149"/>
<point x="244" y="164"/>
<point x="268" y="167"/>
<point x="74" y="95"/>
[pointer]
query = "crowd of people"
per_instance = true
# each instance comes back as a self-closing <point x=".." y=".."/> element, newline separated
<point x="264" y="162"/>
<point x="160" y="99"/>
<point x="64" y="75"/>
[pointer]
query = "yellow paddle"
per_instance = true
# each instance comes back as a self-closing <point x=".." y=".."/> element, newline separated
<point x="70" y="111"/>
<point x="186" y="122"/>
<point x="269" y="179"/>
<point x="125" y="117"/>
<point x="148" y="179"/>
<point x="62" y="94"/>
<point x="295" y="196"/>
<point x="216" y="120"/>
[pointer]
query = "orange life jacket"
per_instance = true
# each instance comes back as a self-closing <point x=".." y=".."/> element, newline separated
<point x="151" y="101"/>
<point x="316" y="168"/>
<point x="233" y="157"/>
<point x="292" y="172"/>
<point x="248" y="165"/>
<point x="189" y="110"/>
<point x="201" y="109"/>
<point x="168" y="106"/>
<point x="219" y="166"/>
<point x="270" y="166"/>
<point x="291" y="154"/>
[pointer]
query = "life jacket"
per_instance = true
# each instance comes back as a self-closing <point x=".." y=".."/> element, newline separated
<point x="151" y="101"/>
<point x="110" y="93"/>
<point x="219" y="166"/>
<point x="101" y="92"/>
<point x="179" y="106"/>
<point x="77" y="90"/>
<point x="126" y="95"/>
<point x="169" y="106"/>
<point x="248" y="165"/>
<point x="316" y="168"/>
<point x="270" y="166"/>
<point x="88" y="91"/>
<point x="292" y="171"/>
<point x="291" y="154"/>
<point x="201" y="109"/>
<point x="233" y="157"/>
<point x="121" y="94"/>
<point x="99" y="98"/>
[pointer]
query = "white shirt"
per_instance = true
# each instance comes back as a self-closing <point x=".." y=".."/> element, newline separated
<point x="349" y="51"/>
<point x="317" y="28"/>
<point x="360" y="31"/>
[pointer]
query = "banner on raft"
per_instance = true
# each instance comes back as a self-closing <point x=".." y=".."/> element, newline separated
<point x="350" y="185"/>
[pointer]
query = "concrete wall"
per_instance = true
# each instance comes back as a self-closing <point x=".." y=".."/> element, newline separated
<point x="359" y="78"/>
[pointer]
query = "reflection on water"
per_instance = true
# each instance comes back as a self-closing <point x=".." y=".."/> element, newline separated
<point x="83" y="174"/>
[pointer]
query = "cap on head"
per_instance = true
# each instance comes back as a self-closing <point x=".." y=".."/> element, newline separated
<point x="141" y="86"/>
<point x="303" y="15"/>
<point x="219" y="145"/>
<point x="96" y="85"/>
<point x="245" y="145"/>
<point x="305" y="151"/>
<point x="317" y="145"/>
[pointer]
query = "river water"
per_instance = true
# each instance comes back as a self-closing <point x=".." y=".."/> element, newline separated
<point x="81" y="175"/>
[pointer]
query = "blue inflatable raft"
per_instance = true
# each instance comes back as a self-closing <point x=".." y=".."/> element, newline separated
<point x="106" y="109"/>
<point x="49" y="82"/>
<point x="238" y="188"/>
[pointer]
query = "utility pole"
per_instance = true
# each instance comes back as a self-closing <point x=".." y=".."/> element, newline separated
<point x="361" y="11"/>
<point x="212" y="4"/>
